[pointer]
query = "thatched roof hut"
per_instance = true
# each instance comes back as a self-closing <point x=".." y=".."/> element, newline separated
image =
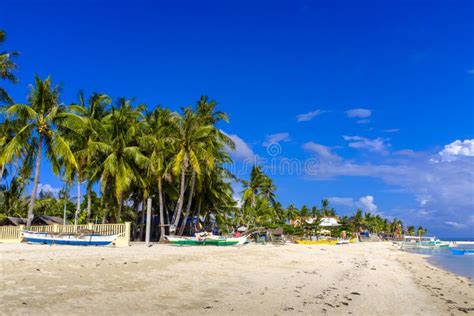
<point x="12" y="221"/>
<point x="47" y="220"/>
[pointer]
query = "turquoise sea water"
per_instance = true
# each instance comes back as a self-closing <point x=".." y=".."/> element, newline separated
<point x="443" y="258"/>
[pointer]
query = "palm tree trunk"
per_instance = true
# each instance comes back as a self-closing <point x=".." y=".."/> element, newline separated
<point x="119" y="212"/>
<point x="2" y="170"/>
<point x="179" y="206"/>
<point x="162" y="215"/>
<point x="35" y="185"/>
<point x="104" y="220"/>
<point x="188" y="206"/>
<point x="89" y="202"/>
<point x="78" y="203"/>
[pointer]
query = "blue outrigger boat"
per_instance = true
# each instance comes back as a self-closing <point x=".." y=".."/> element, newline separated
<point x="85" y="239"/>
<point x="461" y="252"/>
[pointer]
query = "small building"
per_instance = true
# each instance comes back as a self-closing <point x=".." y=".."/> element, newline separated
<point x="47" y="220"/>
<point x="12" y="221"/>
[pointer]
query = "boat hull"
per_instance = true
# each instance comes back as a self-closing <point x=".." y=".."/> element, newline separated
<point x="69" y="239"/>
<point x="219" y="241"/>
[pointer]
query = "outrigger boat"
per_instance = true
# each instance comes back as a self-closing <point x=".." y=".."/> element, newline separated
<point x="84" y="239"/>
<point x="206" y="240"/>
<point x="423" y="242"/>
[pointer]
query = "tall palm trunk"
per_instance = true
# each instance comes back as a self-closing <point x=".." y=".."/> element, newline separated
<point x="179" y="206"/>
<point x="106" y="210"/>
<point x="78" y="203"/>
<point x="2" y="170"/>
<point x="89" y="202"/>
<point x="119" y="212"/>
<point x="162" y="215"/>
<point x="35" y="185"/>
<point x="188" y="205"/>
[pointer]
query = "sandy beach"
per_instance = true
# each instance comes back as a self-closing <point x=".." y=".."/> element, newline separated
<point x="357" y="279"/>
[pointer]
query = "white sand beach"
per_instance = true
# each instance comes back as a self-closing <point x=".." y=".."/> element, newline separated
<point x="358" y="279"/>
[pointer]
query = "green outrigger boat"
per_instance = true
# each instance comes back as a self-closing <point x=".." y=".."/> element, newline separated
<point x="206" y="241"/>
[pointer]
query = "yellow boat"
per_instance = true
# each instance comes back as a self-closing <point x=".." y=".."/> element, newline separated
<point x="323" y="242"/>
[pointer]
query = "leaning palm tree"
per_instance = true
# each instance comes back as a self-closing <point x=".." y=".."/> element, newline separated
<point x="191" y="138"/>
<point x="41" y="117"/>
<point x="7" y="66"/>
<point x="213" y="150"/>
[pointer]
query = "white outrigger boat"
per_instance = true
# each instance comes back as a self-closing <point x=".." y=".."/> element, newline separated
<point x="422" y="242"/>
<point x="75" y="239"/>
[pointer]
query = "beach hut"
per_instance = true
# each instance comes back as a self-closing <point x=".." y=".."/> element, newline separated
<point x="12" y="221"/>
<point x="47" y="220"/>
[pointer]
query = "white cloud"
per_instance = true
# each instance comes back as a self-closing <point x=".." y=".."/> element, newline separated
<point x="455" y="224"/>
<point x="471" y="71"/>
<point x="391" y="130"/>
<point x="323" y="152"/>
<point x="457" y="149"/>
<point x="48" y="188"/>
<point x="309" y="116"/>
<point x="375" y="145"/>
<point x="366" y="203"/>
<point x="238" y="200"/>
<point x="361" y="113"/>
<point x="276" y="138"/>
<point x="364" y="121"/>
<point x="242" y="149"/>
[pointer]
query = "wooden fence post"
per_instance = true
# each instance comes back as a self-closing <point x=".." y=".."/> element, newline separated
<point x="20" y="229"/>
<point x="55" y="228"/>
<point x="89" y="226"/>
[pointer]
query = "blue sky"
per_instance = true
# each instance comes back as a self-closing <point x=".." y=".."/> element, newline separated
<point x="289" y="72"/>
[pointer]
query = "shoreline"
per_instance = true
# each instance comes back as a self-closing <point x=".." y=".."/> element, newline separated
<point x="357" y="279"/>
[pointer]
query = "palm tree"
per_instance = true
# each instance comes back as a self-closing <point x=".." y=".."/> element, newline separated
<point x="191" y="139"/>
<point x="120" y="156"/>
<point x="7" y="66"/>
<point x="92" y="111"/>
<point x="325" y="208"/>
<point x="252" y="187"/>
<point x="42" y="118"/>
<point x="213" y="145"/>
<point x="357" y="220"/>
<point x="421" y="231"/>
<point x="159" y="125"/>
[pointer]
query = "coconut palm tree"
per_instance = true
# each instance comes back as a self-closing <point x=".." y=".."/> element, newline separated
<point x="160" y="124"/>
<point x="92" y="111"/>
<point x="191" y="138"/>
<point x="214" y="145"/>
<point x="357" y="220"/>
<point x="421" y="231"/>
<point x="7" y="66"/>
<point x="120" y="155"/>
<point x="42" y="119"/>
